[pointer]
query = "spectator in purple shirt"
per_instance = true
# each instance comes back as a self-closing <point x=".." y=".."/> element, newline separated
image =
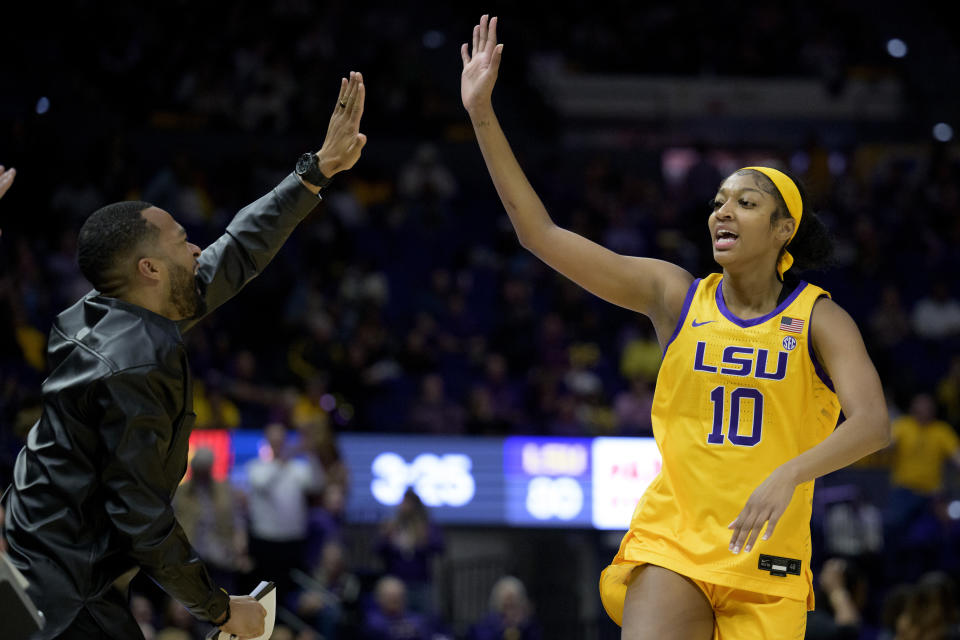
<point x="510" y="616"/>
<point x="408" y="543"/>
<point x="389" y="618"/>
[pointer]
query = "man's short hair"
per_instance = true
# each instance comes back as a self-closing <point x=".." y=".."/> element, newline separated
<point x="108" y="235"/>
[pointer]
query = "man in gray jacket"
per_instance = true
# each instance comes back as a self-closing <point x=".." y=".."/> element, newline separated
<point x="91" y="499"/>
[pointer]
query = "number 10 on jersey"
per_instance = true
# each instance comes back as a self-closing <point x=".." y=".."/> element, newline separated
<point x="737" y="397"/>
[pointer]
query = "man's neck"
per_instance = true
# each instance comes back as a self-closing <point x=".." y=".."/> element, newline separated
<point x="145" y="300"/>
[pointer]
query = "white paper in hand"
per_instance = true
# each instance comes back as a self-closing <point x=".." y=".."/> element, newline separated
<point x="266" y="595"/>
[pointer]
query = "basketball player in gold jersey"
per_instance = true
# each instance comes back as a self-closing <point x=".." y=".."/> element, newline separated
<point x="757" y="365"/>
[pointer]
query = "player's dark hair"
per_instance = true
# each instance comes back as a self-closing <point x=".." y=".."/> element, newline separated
<point x="108" y="235"/>
<point x="812" y="246"/>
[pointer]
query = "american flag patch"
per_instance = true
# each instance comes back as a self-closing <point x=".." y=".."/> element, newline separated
<point x="793" y="325"/>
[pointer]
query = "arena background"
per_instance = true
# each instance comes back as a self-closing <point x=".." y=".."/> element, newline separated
<point x="404" y="304"/>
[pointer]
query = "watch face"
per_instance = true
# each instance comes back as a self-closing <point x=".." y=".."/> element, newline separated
<point x="304" y="164"/>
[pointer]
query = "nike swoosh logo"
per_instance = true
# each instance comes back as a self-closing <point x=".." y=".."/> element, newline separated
<point x="700" y="324"/>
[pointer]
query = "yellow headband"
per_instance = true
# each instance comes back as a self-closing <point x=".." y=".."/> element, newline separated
<point x="791" y="196"/>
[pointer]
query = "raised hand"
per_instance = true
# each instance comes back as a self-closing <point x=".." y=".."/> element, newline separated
<point x="6" y="179"/>
<point x="341" y="148"/>
<point x="480" y="68"/>
<point x="831" y="575"/>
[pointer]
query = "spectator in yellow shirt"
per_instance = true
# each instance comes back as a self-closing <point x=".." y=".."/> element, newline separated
<point x="214" y="409"/>
<point x="921" y="446"/>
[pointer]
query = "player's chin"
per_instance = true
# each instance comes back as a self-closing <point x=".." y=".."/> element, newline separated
<point x="723" y="257"/>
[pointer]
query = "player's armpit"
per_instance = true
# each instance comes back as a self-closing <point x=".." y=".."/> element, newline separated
<point x="840" y="349"/>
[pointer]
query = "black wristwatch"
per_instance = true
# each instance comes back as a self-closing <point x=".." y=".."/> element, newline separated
<point x="308" y="168"/>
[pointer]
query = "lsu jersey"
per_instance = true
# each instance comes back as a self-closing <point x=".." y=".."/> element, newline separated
<point x="734" y="400"/>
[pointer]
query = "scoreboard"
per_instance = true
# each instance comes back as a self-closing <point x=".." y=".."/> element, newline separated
<point x="514" y="481"/>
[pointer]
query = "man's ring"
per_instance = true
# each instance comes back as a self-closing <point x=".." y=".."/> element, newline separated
<point x="343" y="104"/>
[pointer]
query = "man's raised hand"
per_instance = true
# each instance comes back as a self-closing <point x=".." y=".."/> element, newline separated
<point x="341" y="148"/>
<point x="480" y="66"/>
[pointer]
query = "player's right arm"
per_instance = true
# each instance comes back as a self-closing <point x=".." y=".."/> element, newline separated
<point x="652" y="287"/>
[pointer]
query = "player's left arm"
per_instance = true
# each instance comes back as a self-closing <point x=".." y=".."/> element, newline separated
<point x="260" y="229"/>
<point x="839" y="347"/>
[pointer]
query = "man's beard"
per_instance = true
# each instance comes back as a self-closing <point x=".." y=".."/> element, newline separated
<point x="184" y="296"/>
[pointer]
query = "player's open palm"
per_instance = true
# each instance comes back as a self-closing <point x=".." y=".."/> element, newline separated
<point x="480" y="65"/>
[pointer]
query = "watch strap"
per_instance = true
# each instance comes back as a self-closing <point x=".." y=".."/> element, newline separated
<point x="312" y="174"/>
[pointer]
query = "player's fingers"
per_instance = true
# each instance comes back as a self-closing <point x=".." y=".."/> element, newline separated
<point x="753" y="536"/>
<point x="491" y="34"/>
<point x="497" y="54"/>
<point x="343" y="90"/>
<point x="464" y="55"/>
<point x="6" y="180"/>
<point x="483" y="31"/>
<point x="741" y="542"/>
<point x="476" y="39"/>
<point x="735" y="526"/>
<point x="770" y="526"/>
<point x="361" y="140"/>
<point x="743" y="529"/>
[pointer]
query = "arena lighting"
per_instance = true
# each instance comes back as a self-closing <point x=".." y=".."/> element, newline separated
<point x="897" y="47"/>
<point x="837" y="163"/>
<point x="434" y="39"/>
<point x="942" y="132"/>
<point x="328" y="403"/>
<point x="953" y="510"/>
<point x="43" y="105"/>
<point x="800" y="162"/>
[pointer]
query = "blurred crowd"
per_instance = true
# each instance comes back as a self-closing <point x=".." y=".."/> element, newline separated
<point x="404" y="304"/>
<point x="242" y="66"/>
